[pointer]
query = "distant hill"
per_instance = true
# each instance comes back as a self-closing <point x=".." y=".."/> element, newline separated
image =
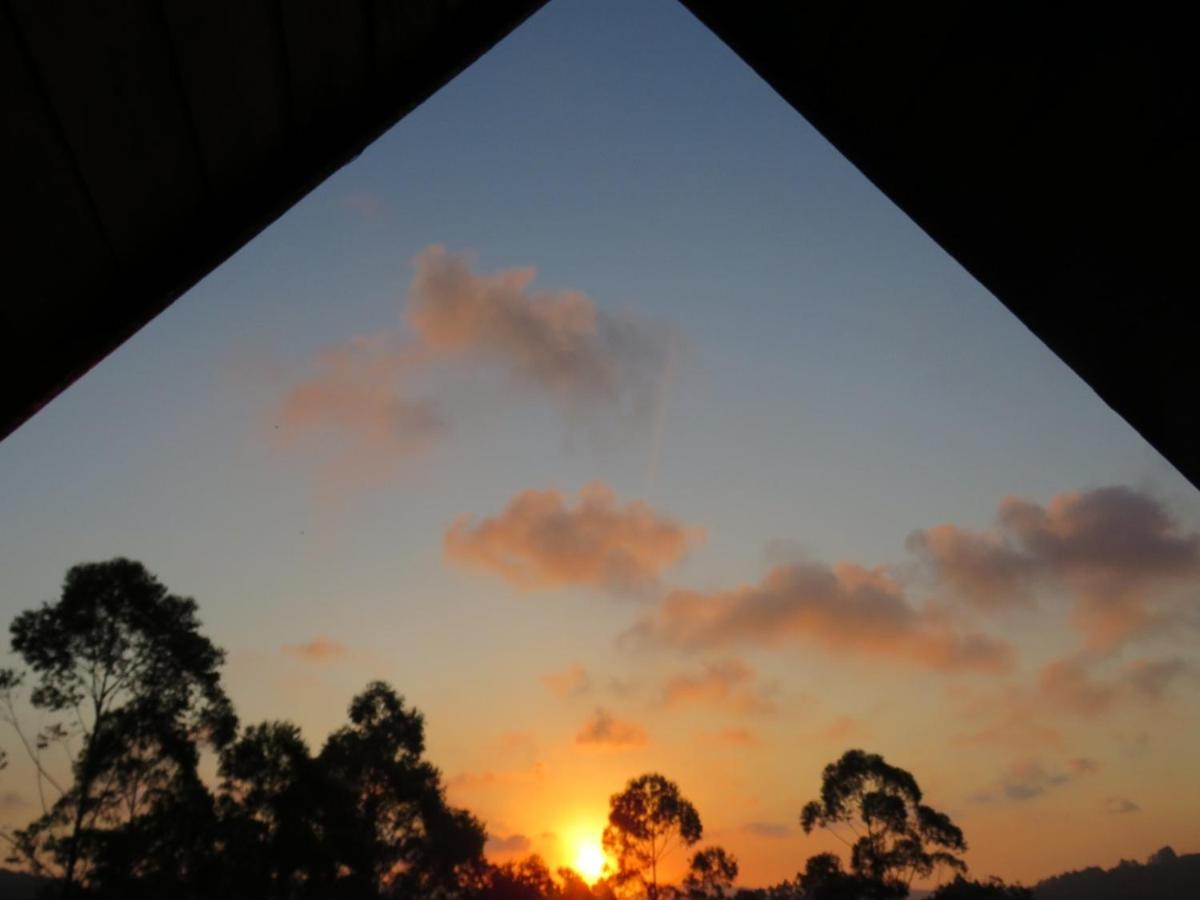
<point x="1164" y="876"/>
<point x="18" y="885"/>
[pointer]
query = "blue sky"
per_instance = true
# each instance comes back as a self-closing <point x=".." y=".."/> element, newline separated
<point x="839" y="382"/>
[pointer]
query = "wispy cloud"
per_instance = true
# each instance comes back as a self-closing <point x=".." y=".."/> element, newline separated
<point x="540" y="540"/>
<point x="727" y="684"/>
<point x="1119" y="806"/>
<point x="371" y="402"/>
<point x="774" y="830"/>
<point x="603" y="729"/>
<point x="1030" y="778"/>
<point x="319" y="649"/>
<point x="566" y="683"/>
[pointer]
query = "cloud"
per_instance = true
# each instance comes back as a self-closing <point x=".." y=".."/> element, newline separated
<point x="1083" y="765"/>
<point x="319" y="649"/>
<point x="844" y="728"/>
<point x="727" y="684"/>
<point x="368" y="205"/>
<point x="737" y="737"/>
<point x="845" y="608"/>
<point x="604" y="730"/>
<point x="350" y="409"/>
<point x="1067" y="683"/>
<point x="1070" y="683"/>
<point x="489" y="778"/>
<point x="372" y="402"/>
<point x="573" y="681"/>
<point x="558" y="343"/>
<point x="1151" y="678"/>
<point x="1029" y="778"/>
<point x="512" y="845"/>
<point x="1116" y="550"/>
<point x="767" y="829"/>
<point x="1120" y="806"/>
<point x="539" y="541"/>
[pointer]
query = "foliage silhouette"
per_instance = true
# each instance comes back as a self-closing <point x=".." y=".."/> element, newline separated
<point x="121" y="665"/>
<point x="901" y="837"/>
<point x="645" y="821"/>
<point x="132" y="689"/>
<point x="711" y="874"/>
<point x="992" y="889"/>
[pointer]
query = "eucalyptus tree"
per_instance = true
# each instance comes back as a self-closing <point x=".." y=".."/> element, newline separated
<point x="646" y="821"/>
<point x="894" y="836"/>
<point x="132" y="691"/>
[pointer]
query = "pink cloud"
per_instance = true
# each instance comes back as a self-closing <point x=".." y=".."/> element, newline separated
<point x="320" y="649"/>
<point x="540" y="541"/>
<point x="728" y="684"/>
<point x="367" y="404"/>
<point x="606" y="731"/>
<point x="572" y="681"/>
<point x="845" y="608"/>
<point x="1116" y="550"/>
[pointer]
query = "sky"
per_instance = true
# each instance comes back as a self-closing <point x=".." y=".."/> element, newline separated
<point x="612" y="416"/>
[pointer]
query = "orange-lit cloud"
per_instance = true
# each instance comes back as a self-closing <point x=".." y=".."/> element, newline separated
<point x="319" y="649"/>
<point x="558" y="343"/>
<point x="1118" y="551"/>
<point x="1118" y="806"/>
<point x="1030" y="778"/>
<point x="510" y="845"/>
<point x="605" y="730"/>
<point x="728" y="684"/>
<point x="474" y="780"/>
<point x="368" y="403"/>
<point x="774" y="830"/>
<point x="844" y="728"/>
<point x="540" y="541"/>
<point x="845" y="608"/>
<point x="1070" y="683"/>
<point x="737" y="737"/>
<point x="572" y="681"/>
<point x="353" y="410"/>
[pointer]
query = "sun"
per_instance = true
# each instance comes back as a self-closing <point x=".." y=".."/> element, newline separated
<point x="589" y="860"/>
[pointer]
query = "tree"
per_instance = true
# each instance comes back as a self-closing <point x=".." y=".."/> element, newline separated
<point x="134" y="690"/>
<point x="711" y="874"/>
<point x="392" y="831"/>
<point x="992" y="889"/>
<point x="272" y="811"/>
<point x="528" y="879"/>
<point x="645" y="822"/>
<point x="896" y="836"/>
<point x="824" y="878"/>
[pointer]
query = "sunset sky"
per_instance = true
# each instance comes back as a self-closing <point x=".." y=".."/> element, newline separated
<point x="608" y="413"/>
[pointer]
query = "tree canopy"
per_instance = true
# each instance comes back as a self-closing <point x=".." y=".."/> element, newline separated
<point x="896" y="837"/>
<point x="646" y="821"/>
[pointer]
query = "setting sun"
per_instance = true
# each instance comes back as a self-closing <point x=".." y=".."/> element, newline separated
<point x="589" y="859"/>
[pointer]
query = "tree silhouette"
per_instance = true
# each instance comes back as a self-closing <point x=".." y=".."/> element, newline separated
<point x="824" y="878"/>
<point x="527" y="879"/>
<point x="897" y="837"/>
<point x="711" y="874"/>
<point x="397" y="835"/>
<point x="273" y="814"/>
<point x="645" y="822"/>
<point x="133" y="684"/>
<point x="992" y="889"/>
